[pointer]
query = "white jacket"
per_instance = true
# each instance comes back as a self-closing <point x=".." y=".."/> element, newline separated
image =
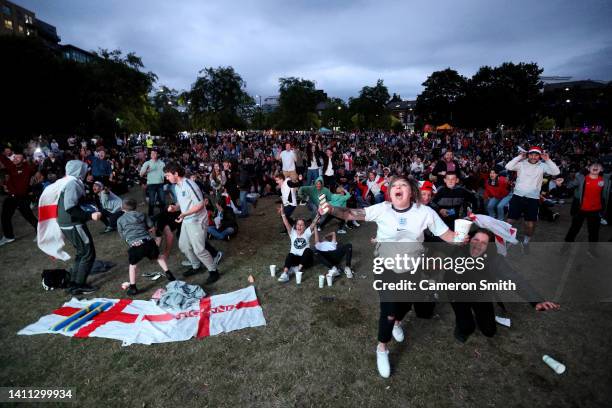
<point x="286" y="194"/>
<point x="529" y="176"/>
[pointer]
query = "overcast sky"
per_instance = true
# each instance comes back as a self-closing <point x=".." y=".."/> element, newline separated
<point x="341" y="44"/>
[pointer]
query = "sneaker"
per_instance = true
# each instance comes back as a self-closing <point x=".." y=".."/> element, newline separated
<point x="213" y="276"/>
<point x="398" y="333"/>
<point x="132" y="290"/>
<point x="83" y="289"/>
<point x="355" y="223"/>
<point x="302" y="203"/>
<point x="6" y="240"/>
<point x="341" y="231"/>
<point x="169" y="276"/>
<point x="218" y="258"/>
<point x="555" y="216"/>
<point x="284" y="277"/>
<point x="190" y="272"/>
<point x="382" y="362"/>
<point x="333" y="272"/>
<point x="603" y="221"/>
<point x="348" y="272"/>
<point x="227" y="238"/>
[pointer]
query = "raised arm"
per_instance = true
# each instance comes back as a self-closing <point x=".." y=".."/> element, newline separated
<point x="313" y="225"/>
<point x="347" y="214"/>
<point x="513" y="164"/>
<point x="284" y="218"/>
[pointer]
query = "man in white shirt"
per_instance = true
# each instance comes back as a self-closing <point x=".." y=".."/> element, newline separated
<point x="194" y="219"/>
<point x="525" y="200"/>
<point x="288" y="159"/>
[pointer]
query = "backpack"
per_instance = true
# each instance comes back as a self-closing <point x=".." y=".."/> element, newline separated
<point x="55" y="278"/>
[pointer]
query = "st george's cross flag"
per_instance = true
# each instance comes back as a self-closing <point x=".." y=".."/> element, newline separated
<point x="504" y="233"/>
<point x="50" y="238"/>
<point x="143" y="322"/>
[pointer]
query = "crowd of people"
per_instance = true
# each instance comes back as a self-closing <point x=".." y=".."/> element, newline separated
<point x="413" y="185"/>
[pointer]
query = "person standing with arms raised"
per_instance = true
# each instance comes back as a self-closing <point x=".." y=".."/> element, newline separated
<point x="194" y="219"/>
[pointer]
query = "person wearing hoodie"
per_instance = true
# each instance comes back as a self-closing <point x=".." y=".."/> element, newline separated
<point x="72" y="217"/>
<point x="136" y="228"/>
<point x="313" y="193"/>
<point x="110" y="206"/>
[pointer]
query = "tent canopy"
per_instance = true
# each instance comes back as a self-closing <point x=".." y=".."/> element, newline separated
<point x="445" y="126"/>
<point x="324" y="130"/>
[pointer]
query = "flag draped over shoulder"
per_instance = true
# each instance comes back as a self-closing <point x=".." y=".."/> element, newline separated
<point x="143" y="322"/>
<point x="50" y="238"/>
<point x="504" y="233"/>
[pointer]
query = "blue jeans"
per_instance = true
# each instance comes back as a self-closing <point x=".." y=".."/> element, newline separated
<point x="311" y="176"/>
<point x="155" y="192"/>
<point x="244" y="203"/>
<point x="495" y="206"/>
<point x="220" y="234"/>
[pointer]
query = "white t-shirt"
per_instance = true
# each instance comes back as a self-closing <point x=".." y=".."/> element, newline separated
<point x="299" y="244"/>
<point x="288" y="158"/>
<point x="188" y="194"/>
<point x="326" y="246"/>
<point x="404" y="226"/>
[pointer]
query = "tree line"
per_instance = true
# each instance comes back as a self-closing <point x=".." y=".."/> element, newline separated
<point x="113" y="94"/>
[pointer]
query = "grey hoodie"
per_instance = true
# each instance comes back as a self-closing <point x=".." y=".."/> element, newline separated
<point x="69" y="210"/>
<point x="134" y="226"/>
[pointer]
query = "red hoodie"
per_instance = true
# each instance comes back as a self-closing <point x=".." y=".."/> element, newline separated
<point x="499" y="191"/>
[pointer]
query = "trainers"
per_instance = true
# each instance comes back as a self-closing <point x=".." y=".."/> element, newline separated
<point x="603" y="221"/>
<point x="555" y="216"/>
<point x="213" y="276"/>
<point x="333" y="272"/>
<point x="169" y="276"/>
<point x="132" y="290"/>
<point x="284" y="277"/>
<point x="191" y="272"/>
<point x="398" y="333"/>
<point x="218" y="258"/>
<point x="6" y="240"/>
<point x="382" y="362"/>
<point x="341" y="231"/>
<point x="348" y="272"/>
<point x="355" y="223"/>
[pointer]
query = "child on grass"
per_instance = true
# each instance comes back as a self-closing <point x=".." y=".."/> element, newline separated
<point x="135" y="228"/>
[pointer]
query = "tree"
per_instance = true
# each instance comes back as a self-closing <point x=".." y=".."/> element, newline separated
<point x="335" y="114"/>
<point x="440" y="101"/>
<point x="370" y="108"/>
<point x="297" y="102"/>
<point x="218" y="100"/>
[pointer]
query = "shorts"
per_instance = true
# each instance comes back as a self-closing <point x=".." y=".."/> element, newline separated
<point x="148" y="249"/>
<point x="166" y="218"/>
<point x="523" y="207"/>
<point x="291" y="174"/>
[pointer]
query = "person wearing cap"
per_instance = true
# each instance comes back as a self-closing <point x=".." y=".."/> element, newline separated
<point x="110" y="206"/>
<point x="525" y="202"/>
<point x="497" y="192"/>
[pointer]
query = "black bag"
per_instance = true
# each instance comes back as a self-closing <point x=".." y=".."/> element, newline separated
<point x="55" y="278"/>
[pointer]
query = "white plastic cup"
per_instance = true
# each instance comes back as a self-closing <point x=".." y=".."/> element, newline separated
<point x="554" y="364"/>
<point x="462" y="229"/>
<point x="321" y="281"/>
<point x="330" y="280"/>
<point x="273" y="270"/>
<point x="298" y="277"/>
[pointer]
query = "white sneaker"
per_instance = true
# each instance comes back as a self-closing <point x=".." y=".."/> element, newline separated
<point x="603" y="221"/>
<point x="187" y="263"/>
<point x="6" y="240"/>
<point x="284" y="278"/>
<point x="348" y="272"/>
<point x="341" y="231"/>
<point x="382" y="362"/>
<point x="398" y="333"/>
<point x="218" y="258"/>
<point x="355" y="223"/>
<point x="333" y="272"/>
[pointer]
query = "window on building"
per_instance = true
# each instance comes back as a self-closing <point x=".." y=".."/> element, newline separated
<point x="8" y="24"/>
<point x="6" y="10"/>
<point x="29" y="19"/>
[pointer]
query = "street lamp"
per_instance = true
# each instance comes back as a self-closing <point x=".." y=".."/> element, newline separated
<point x="260" y="110"/>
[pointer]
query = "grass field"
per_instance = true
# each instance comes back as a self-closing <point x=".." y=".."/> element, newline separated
<point x="318" y="347"/>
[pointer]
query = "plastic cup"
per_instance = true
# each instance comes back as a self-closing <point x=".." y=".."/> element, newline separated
<point x="330" y="280"/>
<point x="273" y="270"/>
<point x="462" y="229"/>
<point x="321" y="281"/>
<point x="554" y="364"/>
<point x="298" y="277"/>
